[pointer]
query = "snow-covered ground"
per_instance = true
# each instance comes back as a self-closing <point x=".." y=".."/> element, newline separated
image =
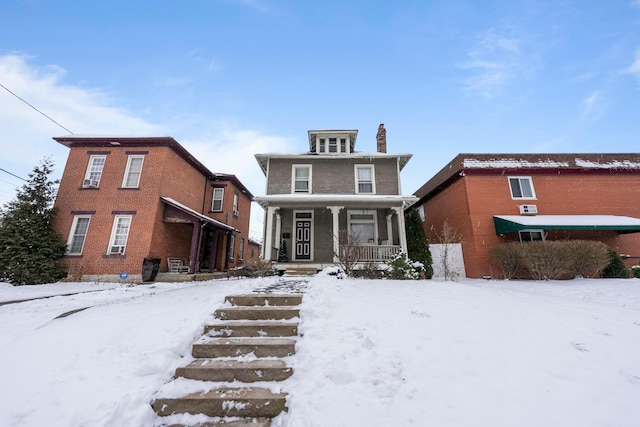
<point x="374" y="353"/>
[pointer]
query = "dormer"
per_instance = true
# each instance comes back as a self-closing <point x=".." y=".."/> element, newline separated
<point x="332" y="141"/>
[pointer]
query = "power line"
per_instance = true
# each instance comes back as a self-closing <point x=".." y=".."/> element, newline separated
<point x="13" y="174"/>
<point x="26" y="102"/>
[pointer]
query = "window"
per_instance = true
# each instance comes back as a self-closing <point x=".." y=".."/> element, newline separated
<point x="119" y="234"/>
<point x="235" y="204"/>
<point x="232" y="243"/>
<point x="365" y="179"/>
<point x="218" y="196"/>
<point x="531" y="235"/>
<point x="322" y="145"/>
<point x="241" y="253"/>
<point x="343" y="145"/>
<point x="333" y="145"/>
<point x="362" y="226"/>
<point x="521" y="188"/>
<point x="132" y="174"/>
<point x="78" y="234"/>
<point x="301" y="178"/>
<point x="94" y="171"/>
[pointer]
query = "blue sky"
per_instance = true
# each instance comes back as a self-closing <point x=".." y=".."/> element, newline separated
<point x="231" y="78"/>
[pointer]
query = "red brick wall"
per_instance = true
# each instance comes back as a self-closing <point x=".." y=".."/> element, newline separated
<point x="470" y="203"/>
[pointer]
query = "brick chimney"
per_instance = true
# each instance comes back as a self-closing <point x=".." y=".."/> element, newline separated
<point x="381" y="139"/>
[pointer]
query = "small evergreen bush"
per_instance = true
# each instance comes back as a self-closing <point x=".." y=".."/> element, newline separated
<point x="616" y="268"/>
<point x="635" y="269"/>
<point x="402" y="268"/>
<point x="417" y="243"/>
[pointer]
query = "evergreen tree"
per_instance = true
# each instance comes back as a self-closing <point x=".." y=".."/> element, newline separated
<point x="29" y="247"/>
<point x="417" y="242"/>
<point x="283" y="256"/>
<point x="616" y="268"/>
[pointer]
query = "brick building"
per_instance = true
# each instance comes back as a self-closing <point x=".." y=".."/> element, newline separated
<point x="490" y="199"/>
<point x="123" y="199"/>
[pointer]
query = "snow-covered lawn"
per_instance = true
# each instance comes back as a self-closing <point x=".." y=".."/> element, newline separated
<point x="374" y="353"/>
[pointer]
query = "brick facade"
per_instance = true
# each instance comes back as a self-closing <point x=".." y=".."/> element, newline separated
<point x="168" y="173"/>
<point x="468" y="197"/>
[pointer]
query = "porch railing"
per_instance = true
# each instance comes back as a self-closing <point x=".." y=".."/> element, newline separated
<point x="375" y="253"/>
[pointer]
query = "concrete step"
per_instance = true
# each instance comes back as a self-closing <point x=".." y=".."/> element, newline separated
<point x="253" y="328"/>
<point x="301" y="272"/>
<point x="232" y="370"/>
<point x="234" y="347"/>
<point x="249" y="422"/>
<point x="265" y="299"/>
<point x="257" y="313"/>
<point x="225" y="402"/>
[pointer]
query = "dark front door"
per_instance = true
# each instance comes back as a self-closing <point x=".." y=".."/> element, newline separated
<point x="303" y="240"/>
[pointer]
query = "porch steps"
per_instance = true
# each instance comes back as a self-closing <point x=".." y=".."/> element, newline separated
<point x="263" y="326"/>
<point x="300" y="271"/>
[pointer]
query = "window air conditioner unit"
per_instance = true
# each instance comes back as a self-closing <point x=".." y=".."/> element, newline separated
<point x="88" y="183"/>
<point x="117" y="250"/>
<point x="528" y="209"/>
<point x="235" y="213"/>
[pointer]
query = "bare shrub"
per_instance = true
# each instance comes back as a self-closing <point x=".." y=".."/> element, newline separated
<point x="259" y="267"/>
<point x="448" y="237"/>
<point x="546" y="260"/>
<point x="349" y="252"/>
<point x="508" y="258"/>
<point x="586" y="257"/>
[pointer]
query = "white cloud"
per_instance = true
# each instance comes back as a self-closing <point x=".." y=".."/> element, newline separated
<point x="634" y="68"/>
<point x="26" y="136"/>
<point x="592" y="107"/>
<point x="493" y="61"/>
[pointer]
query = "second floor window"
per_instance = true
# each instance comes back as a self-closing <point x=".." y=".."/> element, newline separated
<point x="132" y="174"/>
<point x="218" y="196"/>
<point x="301" y="178"/>
<point x="94" y="171"/>
<point x="235" y="204"/>
<point x="78" y="234"/>
<point x="521" y="188"/>
<point x="365" y="179"/>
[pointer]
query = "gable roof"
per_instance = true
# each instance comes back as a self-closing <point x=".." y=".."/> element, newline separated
<point x="528" y="163"/>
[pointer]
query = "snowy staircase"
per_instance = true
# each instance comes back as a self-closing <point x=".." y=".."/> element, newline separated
<point x="245" y="346"/>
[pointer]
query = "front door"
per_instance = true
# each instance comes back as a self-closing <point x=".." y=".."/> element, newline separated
<point x="303" y="232"/>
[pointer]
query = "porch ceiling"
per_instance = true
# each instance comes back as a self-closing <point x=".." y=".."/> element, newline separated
<point x="195" y="214"/>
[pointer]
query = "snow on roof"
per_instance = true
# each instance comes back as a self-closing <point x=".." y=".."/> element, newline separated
<point x="625" y="164"/>
<point x="196" y="213"/>
<point x="512" y="163"/>
<point x="333" y="198"/>
<point x="572" y="220"/>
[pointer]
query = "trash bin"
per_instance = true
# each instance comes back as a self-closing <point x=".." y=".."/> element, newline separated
<point x="150" y="267"/>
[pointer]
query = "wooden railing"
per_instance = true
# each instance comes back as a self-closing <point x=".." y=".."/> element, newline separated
<point x="378" y="253"/>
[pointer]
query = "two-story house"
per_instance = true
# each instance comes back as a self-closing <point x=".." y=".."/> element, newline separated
<point x="318" y="201"/>
<point x="124" y="199"/>
<point x="490" y="199"/>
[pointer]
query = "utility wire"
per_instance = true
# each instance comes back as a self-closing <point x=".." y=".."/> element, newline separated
<point x="12" y="174"/>
<point x="26" y="102"/>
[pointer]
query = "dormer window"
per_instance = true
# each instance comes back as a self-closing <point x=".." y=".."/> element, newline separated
<point x="333" y="145"/>
<point x="332" y="142"/>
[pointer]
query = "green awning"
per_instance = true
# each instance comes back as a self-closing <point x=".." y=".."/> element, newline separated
<point x="510" y="223"/>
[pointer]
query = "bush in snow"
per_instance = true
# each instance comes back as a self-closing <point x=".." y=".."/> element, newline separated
<point x="616" y="268"/>
<point x="635" y="269"/>
<point x="402" y="268"/>
<point x="508" y="258"/>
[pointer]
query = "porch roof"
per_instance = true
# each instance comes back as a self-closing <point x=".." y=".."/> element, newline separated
<point x="196" y="214"/>
<point x="299" y="200"/>
<point x="510" y="223"/>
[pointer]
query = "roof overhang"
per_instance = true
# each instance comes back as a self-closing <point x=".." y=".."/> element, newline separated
<point x="263" y="159"/>
<point x="197" y="215"/>
<point x="511" y="223"/>
<point x="324" y="200"/>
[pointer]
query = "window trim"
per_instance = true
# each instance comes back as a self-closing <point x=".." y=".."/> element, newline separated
<point x="214" y="199"/>
<point x="73" y="234"/>
<point x="128" y="171"/>
<point x="309" y="179"/>
<point x="520" y="178"/>
<point x="373" y="178"/>
<point x="541" y="231"/>
<point x="374" y="221"/>
<point x="241" y="250"/>
<point x="112" y="238"/>
<point x="89" y="171"/>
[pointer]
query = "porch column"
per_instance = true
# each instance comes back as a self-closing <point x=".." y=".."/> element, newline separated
<point x="268" y="239"/>
<point x="389" y="229"/>
<point x="401" y="228"/>
<point x="278" y="231"/>
<point x="195" y="245"/>
<point x="335" y="211"/>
